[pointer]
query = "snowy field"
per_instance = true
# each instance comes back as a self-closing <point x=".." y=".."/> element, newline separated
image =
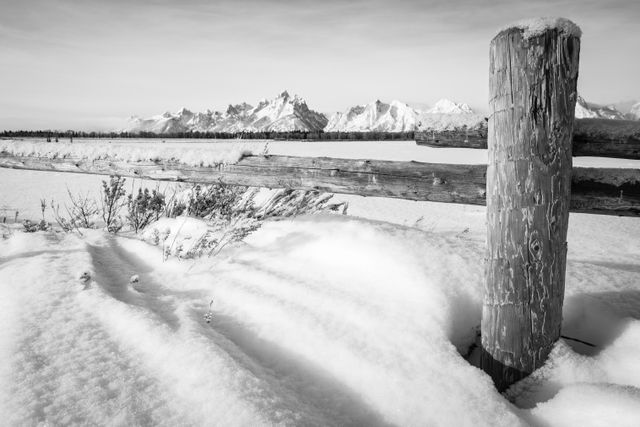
<point x="319" y="320"/>
<point x="197" y="151"/>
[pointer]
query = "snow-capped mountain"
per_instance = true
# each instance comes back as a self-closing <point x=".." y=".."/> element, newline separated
<point x="447" y="122"/>
<point x="588" y="110"/>
<point x="400" y="117"/>
<point x="445" y="106"/>
<point x="284" y="113"/>
<point x="164" y="123"/>
<point x="634" y="112"/>
<point x="447" y="115"/>
<point x="624" y="106"/>
<point x="375" y="116"/>
<point x="288" y="113"/>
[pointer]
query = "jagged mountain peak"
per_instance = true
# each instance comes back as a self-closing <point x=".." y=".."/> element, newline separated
<point x="375" y="116"/>
<point x="287" y="112"/>
<point x="398" y="116"/>
<point x="286" y="98"/>
<point x="283" y="113"/>
<point x="238" y="108"/>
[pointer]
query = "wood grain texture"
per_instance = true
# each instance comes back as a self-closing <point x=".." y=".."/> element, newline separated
<point x="601" y="191"/>
<point x="532" y="91"/>
<point x="405" y="180"/>
<point x="591" y="137"/>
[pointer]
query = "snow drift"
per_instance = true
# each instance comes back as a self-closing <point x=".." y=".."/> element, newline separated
<point x="321" y="320"/>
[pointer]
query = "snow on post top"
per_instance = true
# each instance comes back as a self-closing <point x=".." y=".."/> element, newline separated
<point x="537" y="26"/>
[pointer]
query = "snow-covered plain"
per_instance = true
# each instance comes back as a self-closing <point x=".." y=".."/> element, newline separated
<point x="196" y="154"/>
<point x="319" y="320"/>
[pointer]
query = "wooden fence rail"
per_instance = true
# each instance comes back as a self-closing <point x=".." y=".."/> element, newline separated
<point x="591" y="137"/>
<point x="594" y="190"/>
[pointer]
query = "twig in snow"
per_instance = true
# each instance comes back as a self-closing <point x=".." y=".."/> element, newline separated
<point x="209" y="316"/>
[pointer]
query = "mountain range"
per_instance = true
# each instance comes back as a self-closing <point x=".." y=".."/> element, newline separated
<point x="284" y="113"/>
<point x="287" y="113"/>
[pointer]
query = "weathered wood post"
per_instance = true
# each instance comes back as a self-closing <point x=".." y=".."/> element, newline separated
<point x="533" y="74"/>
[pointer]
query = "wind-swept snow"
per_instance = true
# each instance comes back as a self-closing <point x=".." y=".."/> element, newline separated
<point x="323" y="320"/>
<point x="320" y="320"/>
<point x="589" y="405"/>
<point x="296" y="337"/>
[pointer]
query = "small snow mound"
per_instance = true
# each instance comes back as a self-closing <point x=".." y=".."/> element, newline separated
<point x="537" y="26"/>
<point x="591" y="405"/>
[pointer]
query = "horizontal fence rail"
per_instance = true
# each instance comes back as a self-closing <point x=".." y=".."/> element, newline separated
<point x="593" y="190"/>
<point x="591" y="137"/>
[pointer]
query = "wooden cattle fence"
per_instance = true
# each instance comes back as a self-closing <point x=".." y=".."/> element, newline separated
<point x="607" y="191"/>
<point x="529" y="186"/>
<point x="591" y="137"/>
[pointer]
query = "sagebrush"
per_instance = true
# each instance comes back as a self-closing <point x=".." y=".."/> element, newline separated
<point x="230" y="213"/>
<point x="144" y="208"/>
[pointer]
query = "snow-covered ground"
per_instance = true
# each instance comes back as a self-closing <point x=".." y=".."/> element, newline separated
<point x="319" y="320"/>
<point x="197" y="154"/>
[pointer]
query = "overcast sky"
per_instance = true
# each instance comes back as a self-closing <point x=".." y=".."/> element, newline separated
<point x="87" y="63"/>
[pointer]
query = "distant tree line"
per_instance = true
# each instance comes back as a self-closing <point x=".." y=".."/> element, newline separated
<point x="294" y="135"/>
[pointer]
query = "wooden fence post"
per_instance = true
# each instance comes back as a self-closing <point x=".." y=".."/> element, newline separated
<point x="533" y="74"/>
